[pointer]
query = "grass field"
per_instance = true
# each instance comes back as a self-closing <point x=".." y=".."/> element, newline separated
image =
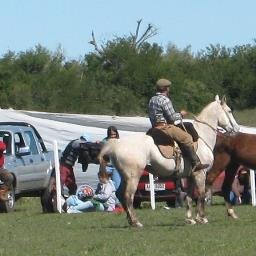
<point x="246" y="117"/>
<point x="29" y="232"/>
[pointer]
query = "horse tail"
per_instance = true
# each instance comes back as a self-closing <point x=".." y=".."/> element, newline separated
<point x="106" y="152"/>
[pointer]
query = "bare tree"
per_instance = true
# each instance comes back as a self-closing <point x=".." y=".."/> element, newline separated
<point x="100" y="50"/>
<point x="137" y="40"/>
<point x="148" y="33"/>
<point x="94" y="43"/>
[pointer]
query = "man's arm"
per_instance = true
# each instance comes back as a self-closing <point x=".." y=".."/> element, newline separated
<point x="169" y="113"/>
<point x="104" y="194"/>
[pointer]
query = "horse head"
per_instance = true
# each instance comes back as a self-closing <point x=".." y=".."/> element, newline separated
<point x="89" y="153"/>
<point x="226" y="119"/>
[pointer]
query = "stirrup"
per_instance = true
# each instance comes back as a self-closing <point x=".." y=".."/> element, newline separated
<point x="177" y="158"/>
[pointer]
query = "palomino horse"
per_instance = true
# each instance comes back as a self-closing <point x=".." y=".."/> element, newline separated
<point x="130" y="155"/>
<point x="231" y="150"/>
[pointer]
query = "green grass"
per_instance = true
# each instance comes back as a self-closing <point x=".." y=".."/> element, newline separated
<point x="246" y="117"/>
<point x="29" y="232"/>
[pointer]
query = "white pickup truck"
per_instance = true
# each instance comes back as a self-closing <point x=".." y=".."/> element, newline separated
<point x="27" y="158"/>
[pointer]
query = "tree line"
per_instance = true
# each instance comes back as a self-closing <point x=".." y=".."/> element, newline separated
<point x="119" y="78"/>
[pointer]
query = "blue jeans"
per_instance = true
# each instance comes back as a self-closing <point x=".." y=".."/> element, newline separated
<point x="115" y="176"/>
<point x="75" y="205"/>
<point x="232" y="197"/>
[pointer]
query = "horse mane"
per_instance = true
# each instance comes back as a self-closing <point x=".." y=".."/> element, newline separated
<point x="206" y="109"/>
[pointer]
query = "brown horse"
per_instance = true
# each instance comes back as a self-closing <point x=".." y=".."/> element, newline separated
<point x="231" y="150"/>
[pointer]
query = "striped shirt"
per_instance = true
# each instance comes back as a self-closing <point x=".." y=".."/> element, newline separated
<point x="161" y="110"/>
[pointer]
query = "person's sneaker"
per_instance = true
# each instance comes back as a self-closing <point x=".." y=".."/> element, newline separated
<point x="119" y="209"/>
<point x="70" y="210"/>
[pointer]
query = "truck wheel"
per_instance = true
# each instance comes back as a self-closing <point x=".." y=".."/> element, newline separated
<point x="48" y="197"/>
<point x="8" y="205"/>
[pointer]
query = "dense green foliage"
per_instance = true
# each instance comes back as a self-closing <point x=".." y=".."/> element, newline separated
<point x="121" y="80"/>
<point x="29" y="232"/>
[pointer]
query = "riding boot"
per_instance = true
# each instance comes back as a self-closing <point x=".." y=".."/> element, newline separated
<point x="195" y="161"/>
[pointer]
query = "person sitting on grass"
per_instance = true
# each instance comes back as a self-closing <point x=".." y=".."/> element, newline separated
<point x="86" y="200"/>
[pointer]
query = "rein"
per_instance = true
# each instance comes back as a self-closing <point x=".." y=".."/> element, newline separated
<point x="205" y="123"/>
<point x="215" y="130"/>
<point x="183" y="126"/>
<point x="202" y="122"/>
<point x="211" y="149"/>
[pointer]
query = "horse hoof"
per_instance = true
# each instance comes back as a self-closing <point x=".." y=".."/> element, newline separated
<point x="233" y="216"/>
<point x="231" y="213"/>
<point x="190" y="221"/>
<point x="202" y="220"/>
<point x="205" y="221"/>
<point x="137" y="225"/>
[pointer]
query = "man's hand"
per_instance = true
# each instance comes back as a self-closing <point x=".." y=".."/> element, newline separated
<point x="183" y="113"/>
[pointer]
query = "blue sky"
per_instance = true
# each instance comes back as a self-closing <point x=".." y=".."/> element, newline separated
<point x="199" y="23"/>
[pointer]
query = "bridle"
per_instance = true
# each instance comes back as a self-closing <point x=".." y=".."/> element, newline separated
<point x="213" y="128"/>
<point x="229" y="120"/>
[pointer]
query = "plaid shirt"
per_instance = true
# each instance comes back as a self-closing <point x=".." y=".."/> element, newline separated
<point x="161" y="110"/>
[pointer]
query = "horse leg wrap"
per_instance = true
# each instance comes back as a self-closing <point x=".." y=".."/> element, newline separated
<point x="190" y="221"/>
<point x="232" y="214"/>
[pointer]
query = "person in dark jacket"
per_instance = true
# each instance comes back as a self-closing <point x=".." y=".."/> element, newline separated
<point x="74" y="151"/>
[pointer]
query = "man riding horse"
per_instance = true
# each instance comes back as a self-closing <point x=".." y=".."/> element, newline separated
<point x="163" y="116"/>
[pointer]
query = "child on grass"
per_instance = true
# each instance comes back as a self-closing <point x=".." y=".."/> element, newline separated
<point x="104" y="198"/>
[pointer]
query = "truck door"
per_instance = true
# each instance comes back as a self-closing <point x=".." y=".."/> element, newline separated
<point x="23" y="164"/>
<point x="40" y="163"/>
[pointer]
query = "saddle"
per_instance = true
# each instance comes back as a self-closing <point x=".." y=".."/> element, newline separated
<point x="167" y="146"/>
<point x="164" y="143"/>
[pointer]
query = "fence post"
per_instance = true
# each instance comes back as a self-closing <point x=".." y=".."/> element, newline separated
<point x="252" y="180"/>
<point x="57" y="176"/>
<point x="152" y="191"/>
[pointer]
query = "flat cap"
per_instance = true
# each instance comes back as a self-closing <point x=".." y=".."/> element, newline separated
<point x="163" y="83"/>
